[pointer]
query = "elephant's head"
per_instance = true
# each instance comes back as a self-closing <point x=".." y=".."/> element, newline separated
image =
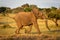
<point x="38" y="14"/>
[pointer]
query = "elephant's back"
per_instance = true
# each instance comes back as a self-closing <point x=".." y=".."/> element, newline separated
<point x="24" y="18"/>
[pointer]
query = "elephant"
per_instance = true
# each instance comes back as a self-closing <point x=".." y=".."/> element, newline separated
<point x="28" y="19"/>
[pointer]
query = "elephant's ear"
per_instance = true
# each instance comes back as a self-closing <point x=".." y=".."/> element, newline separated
<point x="35" y="12"/>
<point x="42" y="15"/>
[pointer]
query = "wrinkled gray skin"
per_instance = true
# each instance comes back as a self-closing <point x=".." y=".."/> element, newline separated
<point x="28" y="19"/>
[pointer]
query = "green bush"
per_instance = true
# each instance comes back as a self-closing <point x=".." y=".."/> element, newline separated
<point x="27" y="9"/>
<point x="57" y="16"/>
<point x="51" y="15"/>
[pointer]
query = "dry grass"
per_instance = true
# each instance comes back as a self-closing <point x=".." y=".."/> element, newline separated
<point x="8" y="33"/>
<point x="30" y="37"/>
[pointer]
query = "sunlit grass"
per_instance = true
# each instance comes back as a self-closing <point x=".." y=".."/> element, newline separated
<point x="41" y="23"/>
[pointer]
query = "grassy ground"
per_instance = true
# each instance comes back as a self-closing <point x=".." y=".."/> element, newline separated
<point x="9" y="32"/>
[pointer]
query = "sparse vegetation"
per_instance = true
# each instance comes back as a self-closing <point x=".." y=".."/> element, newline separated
<point x="53" y="21"/>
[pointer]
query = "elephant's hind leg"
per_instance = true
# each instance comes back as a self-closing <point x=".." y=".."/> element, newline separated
<point x="29" y="30"/>
<point x="18" y="29"/>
